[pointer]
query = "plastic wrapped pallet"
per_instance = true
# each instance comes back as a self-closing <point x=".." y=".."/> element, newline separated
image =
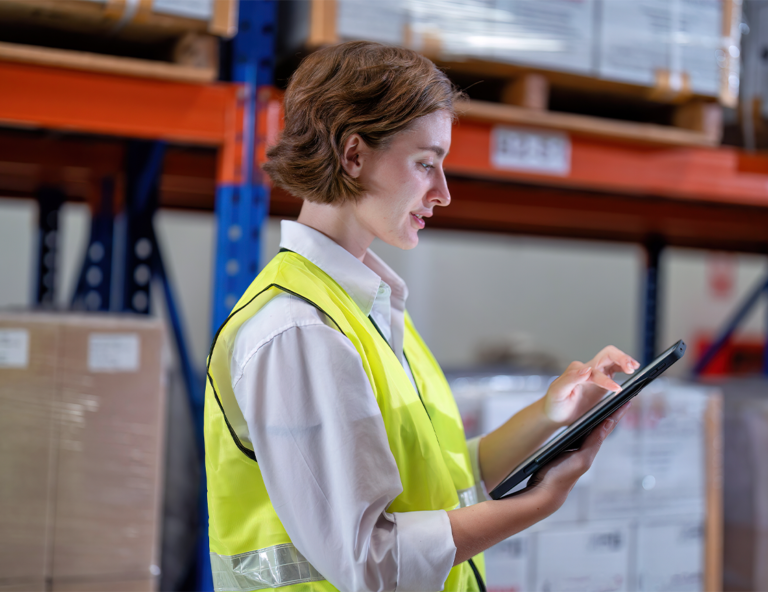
<point x="646" y="514"/>
<point x="674" y="48"/>
<point x="82" y="417"/>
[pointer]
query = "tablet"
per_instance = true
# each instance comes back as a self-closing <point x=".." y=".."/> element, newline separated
<point x="572" y="436"/>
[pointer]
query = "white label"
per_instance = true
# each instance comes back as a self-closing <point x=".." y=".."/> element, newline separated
<point x="113" y="352"/>
<point x="533" y="151"/>
<point x="14" y="348"/>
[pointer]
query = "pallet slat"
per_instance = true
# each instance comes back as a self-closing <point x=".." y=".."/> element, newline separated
<point x="93" y="62"/>
<point x="642" y="133"/>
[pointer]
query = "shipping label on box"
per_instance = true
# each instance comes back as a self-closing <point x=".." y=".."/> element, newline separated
<point x="507" y="565"/>
<point x="113" y="352"/>
<point x="14" y="348"/>
<point x="670" y="555"/>
<point x="594" y="557"/>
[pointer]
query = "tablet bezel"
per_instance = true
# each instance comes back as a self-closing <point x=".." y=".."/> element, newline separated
<point x="572" y="436"/>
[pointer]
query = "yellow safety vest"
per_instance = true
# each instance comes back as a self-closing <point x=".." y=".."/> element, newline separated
<point x="250" y="549"/>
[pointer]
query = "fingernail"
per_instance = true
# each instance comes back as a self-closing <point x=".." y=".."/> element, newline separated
<point x="585" y="370"/>
<point x="636" y="364"/>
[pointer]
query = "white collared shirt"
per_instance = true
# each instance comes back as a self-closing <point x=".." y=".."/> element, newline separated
<point x="319" y="437"/>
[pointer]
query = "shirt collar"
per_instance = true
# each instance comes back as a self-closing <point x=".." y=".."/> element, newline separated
<point x="361" y="280"/>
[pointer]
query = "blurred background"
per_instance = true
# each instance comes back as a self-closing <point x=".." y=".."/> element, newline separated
<point x="609" y="178"/>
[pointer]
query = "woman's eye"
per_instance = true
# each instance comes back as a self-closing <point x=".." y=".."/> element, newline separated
<point x="426" y="165"/>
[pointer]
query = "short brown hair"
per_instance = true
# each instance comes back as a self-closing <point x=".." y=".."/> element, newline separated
<point x="359" y="87"/>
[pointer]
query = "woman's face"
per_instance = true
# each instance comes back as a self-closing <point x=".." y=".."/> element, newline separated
<point x="405" y="181"/>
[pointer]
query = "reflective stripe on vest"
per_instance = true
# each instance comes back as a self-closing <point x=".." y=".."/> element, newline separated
<point x="273" y="567"/>
<point x="467" y="497"/>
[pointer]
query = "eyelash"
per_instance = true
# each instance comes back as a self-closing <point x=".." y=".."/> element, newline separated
<point x="426" y="166"/>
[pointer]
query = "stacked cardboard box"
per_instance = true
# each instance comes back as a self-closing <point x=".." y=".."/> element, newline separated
<point x="82" y="416"/>
<point x="647" y="514"/>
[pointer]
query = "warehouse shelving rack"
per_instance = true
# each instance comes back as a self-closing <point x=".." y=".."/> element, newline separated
<point x="129" y="145"/>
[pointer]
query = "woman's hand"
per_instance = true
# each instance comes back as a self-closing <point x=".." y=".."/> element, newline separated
<point x="583" y="385"/>
<point x="557" y="479"/>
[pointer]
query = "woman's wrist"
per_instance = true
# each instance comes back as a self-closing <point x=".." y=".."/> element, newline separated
<point x="546" y="419"/>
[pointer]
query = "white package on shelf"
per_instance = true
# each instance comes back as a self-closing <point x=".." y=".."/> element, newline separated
<point x="672" y="451"/>
<point x="642" y="38"/>
<point x="634" y="40"/>
<point x="553" y="34"/>
<point x="194" y="9"/>
<point x="669" y="554"/>
<point x="590" y="557"/>
<point x="373" y="21"/>
<point x="507" y="565"/>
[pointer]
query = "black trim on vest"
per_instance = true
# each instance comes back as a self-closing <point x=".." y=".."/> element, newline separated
<point x="478" y="577"/>
<point x="245" y="450"/>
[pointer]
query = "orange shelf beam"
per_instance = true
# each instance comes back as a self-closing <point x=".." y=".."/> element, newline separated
<point x="92" y="103"/>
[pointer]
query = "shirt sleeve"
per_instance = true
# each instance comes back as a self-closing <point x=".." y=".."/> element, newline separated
<point x="322" y="448"/>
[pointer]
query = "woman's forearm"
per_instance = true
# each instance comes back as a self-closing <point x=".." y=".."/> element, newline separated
<point x="480" y="526"/>
<point x="506" y="447"/>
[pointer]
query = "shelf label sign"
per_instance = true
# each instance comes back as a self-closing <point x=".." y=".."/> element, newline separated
<point x="520" y="149"/>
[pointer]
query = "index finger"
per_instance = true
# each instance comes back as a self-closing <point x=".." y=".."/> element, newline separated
<point x="613" y="355"/>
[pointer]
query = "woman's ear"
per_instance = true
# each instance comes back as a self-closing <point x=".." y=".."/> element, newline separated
<point x="353" y="155"/>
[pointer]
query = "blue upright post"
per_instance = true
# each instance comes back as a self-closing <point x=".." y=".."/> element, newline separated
<point x="94" y="285"/>
<point x="650" y="322"/>
<point x="49" y="201"/>
<point x="241" y="208"/>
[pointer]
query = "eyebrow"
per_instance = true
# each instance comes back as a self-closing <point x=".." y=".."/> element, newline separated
<point x="436" y="149"/>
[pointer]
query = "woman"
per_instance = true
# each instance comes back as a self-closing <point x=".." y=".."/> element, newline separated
<point x="335" y="454"/>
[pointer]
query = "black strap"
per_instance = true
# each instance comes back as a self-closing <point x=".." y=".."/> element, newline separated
<point x="245" y="450"/>
<point x="478" y="577"/>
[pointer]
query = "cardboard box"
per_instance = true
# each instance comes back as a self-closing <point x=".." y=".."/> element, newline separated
<point x="23" y="586"/>
<point x="28" y="354"/>
<point x="82" y="422"/>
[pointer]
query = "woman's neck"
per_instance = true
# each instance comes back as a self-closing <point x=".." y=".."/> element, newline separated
<point x="340" y="224"/>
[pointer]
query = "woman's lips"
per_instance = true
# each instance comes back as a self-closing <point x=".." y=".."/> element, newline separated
<point x="419" y="220"/>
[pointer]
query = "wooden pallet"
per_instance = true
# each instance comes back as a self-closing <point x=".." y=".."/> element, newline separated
<point x="525" y="101"/>
<point x="115" y="37"/>
<point x="202" y="69"/>
<point x="121" y="18"/>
